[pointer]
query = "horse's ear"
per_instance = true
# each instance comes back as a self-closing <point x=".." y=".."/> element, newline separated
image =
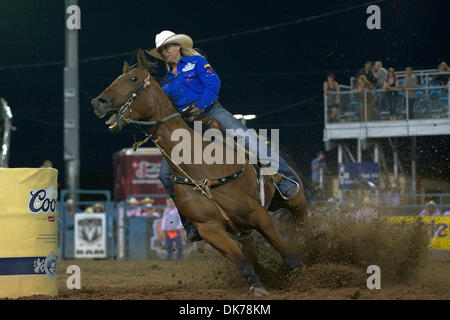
<point x="126" y="67"/>
<point x="142" y="59"/>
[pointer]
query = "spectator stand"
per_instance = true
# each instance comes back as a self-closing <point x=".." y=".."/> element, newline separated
<point x="420" y="111"/>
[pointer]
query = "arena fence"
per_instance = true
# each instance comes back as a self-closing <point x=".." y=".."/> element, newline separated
<point x="126" y="233"/>
<point x="86" y="235"/>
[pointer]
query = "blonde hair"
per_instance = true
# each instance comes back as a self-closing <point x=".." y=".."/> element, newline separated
<point x="367" y="84"/>
<point x="443" y="64"/>
<point x="186" y="52"/>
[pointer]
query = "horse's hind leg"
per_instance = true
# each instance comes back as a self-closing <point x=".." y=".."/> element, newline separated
<point x="298" y="205"/>
<point x="217" y="237"/>
<point x="266" y="226"/>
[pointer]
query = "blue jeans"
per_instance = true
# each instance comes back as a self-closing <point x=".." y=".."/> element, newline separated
<point x="228" y="121"/>
<point x="169" y="246"/>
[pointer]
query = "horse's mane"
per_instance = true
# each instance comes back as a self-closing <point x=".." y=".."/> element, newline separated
<point x="152" y="67"/>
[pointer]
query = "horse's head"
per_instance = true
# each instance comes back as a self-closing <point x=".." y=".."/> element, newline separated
<point x="118" y="100"/>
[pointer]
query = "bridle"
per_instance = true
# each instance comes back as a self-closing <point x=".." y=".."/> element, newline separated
<point x="127" y="106"/>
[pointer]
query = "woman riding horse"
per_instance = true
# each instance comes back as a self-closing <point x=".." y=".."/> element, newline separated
<point x="192" y="86"/>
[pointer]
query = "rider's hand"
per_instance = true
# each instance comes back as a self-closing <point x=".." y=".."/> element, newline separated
<point x="191" y="113"/>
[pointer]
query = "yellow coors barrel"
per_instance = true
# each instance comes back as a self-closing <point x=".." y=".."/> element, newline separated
<point x="28" y="232"/>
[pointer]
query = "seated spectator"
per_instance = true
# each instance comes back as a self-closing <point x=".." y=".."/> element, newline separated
<point x="431" y="210"/>
<point x="366" y="98"/>
<point x="366" y="213"/>
<point x="367" y="72"/>
<point x="390" y="96"/>
<point x="132" y="207"/>
<point x="99" y="208"/>
<point x="442" y="79"/>
<point x="331" y="89"/>
<point x="410" y="81"/>
<point x="380" y="74"/>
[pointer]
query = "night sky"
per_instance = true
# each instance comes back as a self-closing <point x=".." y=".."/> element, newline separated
<point x="267" y="73"/>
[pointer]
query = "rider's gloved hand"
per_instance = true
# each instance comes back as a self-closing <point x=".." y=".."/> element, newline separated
<point x="191" y="113"/>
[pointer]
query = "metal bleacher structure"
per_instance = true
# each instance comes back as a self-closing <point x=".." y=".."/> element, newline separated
<point x="420" y="111"/>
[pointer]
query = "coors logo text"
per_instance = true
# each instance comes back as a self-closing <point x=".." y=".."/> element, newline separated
<point x="42" y="200"/>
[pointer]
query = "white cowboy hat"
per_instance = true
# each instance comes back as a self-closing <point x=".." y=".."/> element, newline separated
<point x="166" y="37"/>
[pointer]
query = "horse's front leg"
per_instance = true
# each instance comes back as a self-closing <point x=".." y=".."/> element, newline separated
<point x="216" y="235"/>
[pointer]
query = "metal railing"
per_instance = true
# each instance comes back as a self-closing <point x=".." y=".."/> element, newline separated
<point x="424" y="76"/>
<point x="421" y="102"/>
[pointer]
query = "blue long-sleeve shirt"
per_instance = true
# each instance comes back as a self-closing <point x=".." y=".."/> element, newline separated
<point x="196" y="83"/>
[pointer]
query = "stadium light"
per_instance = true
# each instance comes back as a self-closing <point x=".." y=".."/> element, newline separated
<point x="238" y="116"/>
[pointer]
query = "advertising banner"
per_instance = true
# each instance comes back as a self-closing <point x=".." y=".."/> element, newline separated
<point x="355" y="175"/>
<point x="28" y="232"/>
<point x="438" y="229"/>
<point x="137" y="172"/>
<point x="90" y="235"/>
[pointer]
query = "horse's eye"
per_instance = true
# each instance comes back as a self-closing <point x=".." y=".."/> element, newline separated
<point x="134" y="79"/>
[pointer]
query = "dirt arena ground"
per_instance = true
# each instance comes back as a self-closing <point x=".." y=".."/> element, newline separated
<point x="336" y="253"/>
<point x="197" y="279"/>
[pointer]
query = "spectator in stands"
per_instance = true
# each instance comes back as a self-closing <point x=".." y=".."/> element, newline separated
<point x="442" y="78"/>
<point x="431" y="210"/>
<point x="171" y="225"/>
<point x="71" y="210"/>
<point x="380" y="74"/>
<point x="99" y="208"/>
<point x="391" y="86"/>
<point x="147" y="209"/>
<point x="366" y="98"/>
<point x="367" y="72"/>
<point x="331" y="89"/>
<point x="410" y="82"/>
<point x="367" y="213"/>
<point x="395" y="196"/>
<point x="132" y="207"/>
<point x="47" y="164"/>
<point x="89" y="209"/>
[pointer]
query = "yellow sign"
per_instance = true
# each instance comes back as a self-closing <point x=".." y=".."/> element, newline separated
<point x="438" y="229"/>
<point x="28" y="232"/>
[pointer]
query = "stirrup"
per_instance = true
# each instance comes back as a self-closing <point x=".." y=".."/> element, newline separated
<point x="278" y="189"/>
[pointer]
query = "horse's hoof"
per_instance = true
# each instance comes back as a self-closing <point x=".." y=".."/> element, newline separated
<point x="259" y="292"/>
<point x="293" y="262"/>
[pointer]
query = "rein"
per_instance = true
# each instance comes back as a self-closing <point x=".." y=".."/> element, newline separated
<point x="204" y="185"/>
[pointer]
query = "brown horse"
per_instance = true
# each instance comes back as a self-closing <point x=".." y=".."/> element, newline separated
<point x="228" y="209"/>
